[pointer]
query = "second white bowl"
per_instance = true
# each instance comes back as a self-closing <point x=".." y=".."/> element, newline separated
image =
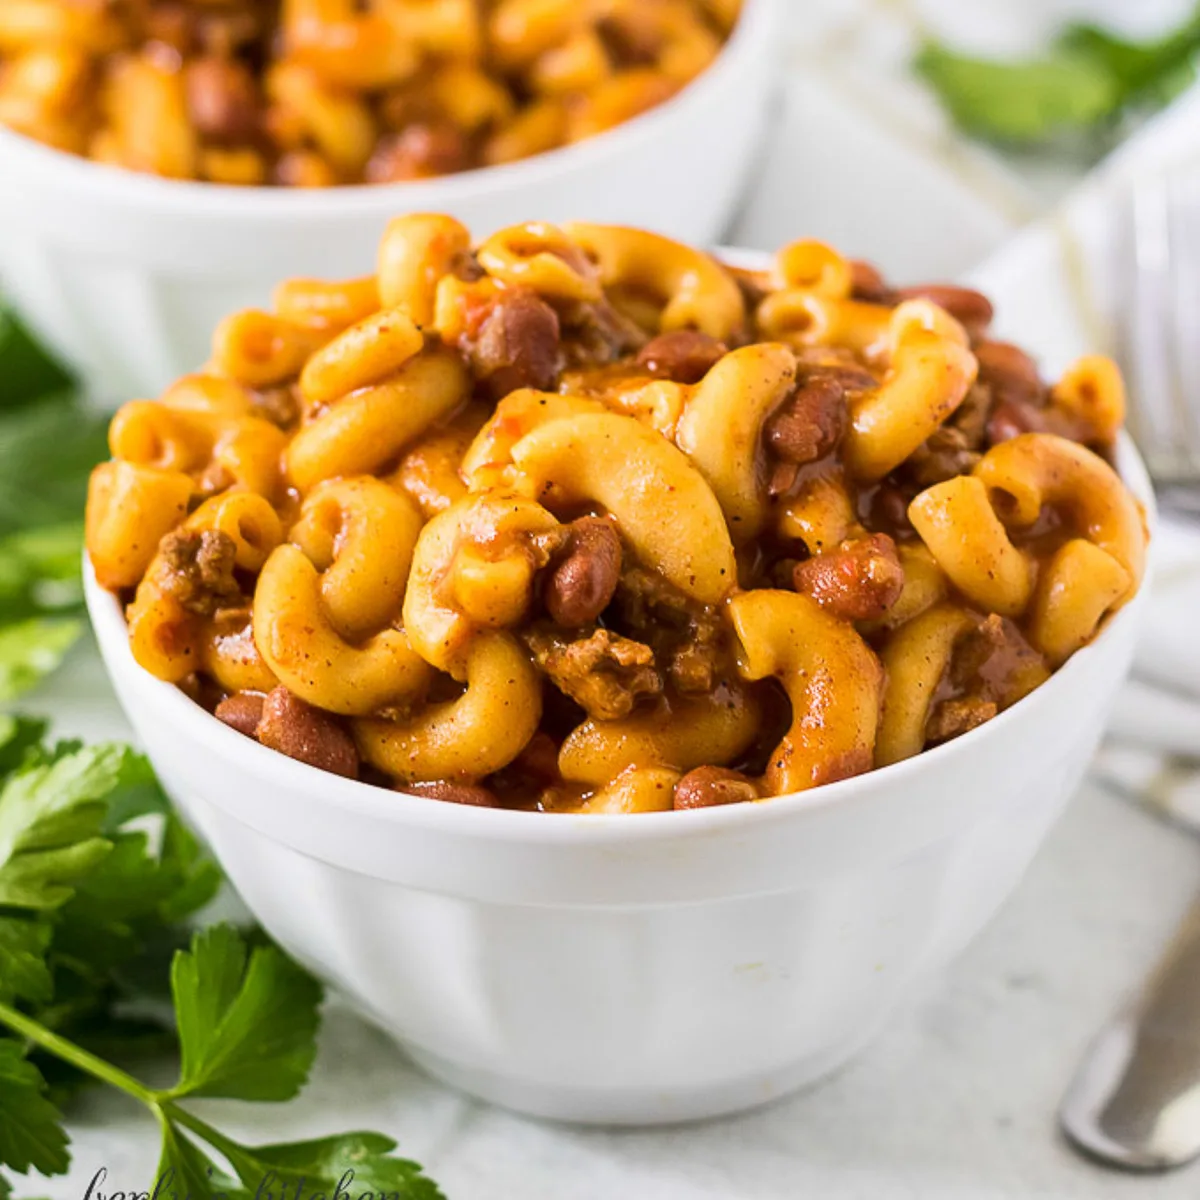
<point x="126" y="275"/>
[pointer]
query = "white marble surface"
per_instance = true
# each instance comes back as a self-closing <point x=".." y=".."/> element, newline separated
<point x="957" y="1099"/>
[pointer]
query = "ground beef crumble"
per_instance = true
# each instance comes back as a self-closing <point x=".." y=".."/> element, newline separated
<point x="199" y="566"/>
<point x="687" y="639"/>
<point x="994" y="667"/>
<point x="604" y="673"/>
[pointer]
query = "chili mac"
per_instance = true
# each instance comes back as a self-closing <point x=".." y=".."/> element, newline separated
<point x="581" y="519"/>
<point x="312" y="93"/>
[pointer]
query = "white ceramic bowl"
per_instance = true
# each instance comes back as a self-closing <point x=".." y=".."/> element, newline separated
<point x="126" y="275"/>
<point x="633" y="969"/>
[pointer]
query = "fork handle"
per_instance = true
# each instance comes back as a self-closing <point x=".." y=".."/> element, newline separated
<point x="1135" y="1101"/>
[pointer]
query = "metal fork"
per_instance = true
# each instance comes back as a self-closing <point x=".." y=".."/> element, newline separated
<point x="1158" y="330"/>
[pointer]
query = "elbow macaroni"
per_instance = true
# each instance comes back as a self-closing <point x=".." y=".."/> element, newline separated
<point x="618" y="463"/>
<point x="577" y="519"/>
<point x="695" y="292"/>
<point x="832" y="680"/>
<point x="721" y="428"/>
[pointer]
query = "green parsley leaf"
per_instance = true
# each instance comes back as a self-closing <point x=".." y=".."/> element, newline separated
<point x="31" y="1131"/>
<point x="24" y="974"/>
<point x="1081" y="87"/>
<point x="29" y="372"/>
<point x="50" y="821"/>
<point x="1023" y="102"/>
<point x="47" y="754"/>
<point x="139" y="795"/>
<point x="129" y="899"/>
<point x="247" y="1019"/>
<point x="48" y="444"/>
<point x="360" y="1162"/>
<point x="30" y="650"/>
<point x="47" y="451"/>
<point x="19" y="736"/>
<point x="5" y="1188"/>
<point x="115" y="938"/>
<point x="198" y="877"/>
<point x="185" y="1170"/>
<point x="98" y="929"/>
<point x="1157" y="69"/>
<point x="40" y="572"/>
<point x="114" y="943"/>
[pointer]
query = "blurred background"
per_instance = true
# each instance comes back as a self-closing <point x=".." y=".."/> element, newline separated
<point x="858" y="123"/>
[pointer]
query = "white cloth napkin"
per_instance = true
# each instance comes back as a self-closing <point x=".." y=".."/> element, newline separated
<point x="1153" y="750"/>
<point x="1057" y="291"/>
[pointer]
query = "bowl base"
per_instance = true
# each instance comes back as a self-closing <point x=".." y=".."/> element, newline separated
<point x="635" y="1105"/>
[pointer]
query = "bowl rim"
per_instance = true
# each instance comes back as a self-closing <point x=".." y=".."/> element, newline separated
<point x="192" y="198"/>
<point x="516" y="825"/>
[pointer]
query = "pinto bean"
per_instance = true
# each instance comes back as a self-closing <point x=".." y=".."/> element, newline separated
<point x="222" y="100"/>
<point x="706" y="787"/>
<point x="859" y="581"/>
<point x="887" y="507"/>
<point x="421" y="151"/>
<point x="837" y="362"/>
<point x="868" y="284"/>
<point x="809" y="424"/>
<point x="472" y="794"/>
<point x="972" y="309"/>
<point x="1013" y="417"/>
<point x="241" y="711"/>
<point x="1010" y="374"/>
<point x="297" y="729"/>
<point x="515" y="343"/>
<point x="580" y="587"/>
<point x="685" y="355"/>
<point x="584" y="571"/>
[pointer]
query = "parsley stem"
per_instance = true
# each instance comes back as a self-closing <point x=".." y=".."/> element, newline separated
<point x="39" y="1035"/>
<point x="217" y="1140"/>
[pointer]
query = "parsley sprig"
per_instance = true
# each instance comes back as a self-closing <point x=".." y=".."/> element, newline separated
<point x="49" y="441"/>
<point x="97" y="877"/>
<point x="1075" y="95"/>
